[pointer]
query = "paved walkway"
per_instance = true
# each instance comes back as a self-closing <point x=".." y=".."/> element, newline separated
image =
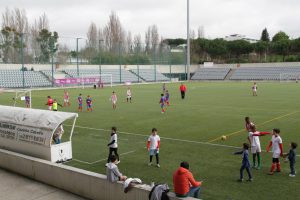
<point x="16" y="187"/>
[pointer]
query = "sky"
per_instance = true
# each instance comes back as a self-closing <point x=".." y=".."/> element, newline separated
<point x="71" y="18"/>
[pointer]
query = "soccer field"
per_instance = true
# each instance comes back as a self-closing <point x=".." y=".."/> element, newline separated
<point x="190" y="130"/>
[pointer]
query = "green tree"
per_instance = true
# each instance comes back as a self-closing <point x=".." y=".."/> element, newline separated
<point x="281" y="47"/>
<point x="217" y="48"/>
<point x="280" y="36"/>
<point x="239" y="47"/>
<point x="265" y="36"/>
<point x="261" y="48"/>
<point x="48" y="44"/>
<point x="10" y="44"/>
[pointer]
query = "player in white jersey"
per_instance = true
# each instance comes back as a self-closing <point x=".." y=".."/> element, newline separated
<point x="128" y="95"/>
<point x="255" y="145"/>
<point x="277" y="148"/>
<point x="254" y="89"/>
<point x="113" y="145"/>
<point x="114" y="100"/>
<point x="153" y="145"/>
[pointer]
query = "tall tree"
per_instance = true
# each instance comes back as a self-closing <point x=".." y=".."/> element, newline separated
<point x="48" y="44"/>
<point x="92" y="36"/>
<point x="280" y="36"/>
<point x="137" y="43"/>
<point x="113" y="33"/>
<point x="265" y="36"/>
<point x="201" y="33"/>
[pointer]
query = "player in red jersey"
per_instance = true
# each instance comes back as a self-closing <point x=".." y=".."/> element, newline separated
<point x="49" y="103"/>
<point x="66" y="98"/>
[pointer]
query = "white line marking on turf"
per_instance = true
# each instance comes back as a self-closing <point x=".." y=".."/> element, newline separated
<point x="97" y="161"/>
<point x="167" y="138"/>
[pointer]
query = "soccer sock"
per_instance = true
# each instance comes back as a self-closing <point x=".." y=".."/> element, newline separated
<point x="151" y="159"/>
<point x="278" y="167"/>
<point x="254" y="159"/>
<point x="157" y="158"/>
<point x="273" y="167"/>
<point x="258" y="160"/>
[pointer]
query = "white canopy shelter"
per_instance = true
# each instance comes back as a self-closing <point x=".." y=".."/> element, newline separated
<point x="30" y="132"/>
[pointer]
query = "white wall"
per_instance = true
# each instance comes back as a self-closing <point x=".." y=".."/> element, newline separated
<point x="81" y="182"/>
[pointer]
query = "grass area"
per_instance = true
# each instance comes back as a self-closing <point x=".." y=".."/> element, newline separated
<point x="188" y="130"/>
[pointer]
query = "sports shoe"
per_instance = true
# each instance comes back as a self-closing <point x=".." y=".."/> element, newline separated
<point x="158" y="165"/>
<point x="271" y="173"/>
<point x="257" y="168"/>
<point x="250" y="180"/>
<point x="150" y="163"/>
<point x="292" y="175"/>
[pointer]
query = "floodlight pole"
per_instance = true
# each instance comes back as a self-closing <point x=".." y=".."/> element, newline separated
<point x="100" y="56"/>
<point x="77" y="58"/>
<point x="188" y="58"/>
<point x="22" y="59"/>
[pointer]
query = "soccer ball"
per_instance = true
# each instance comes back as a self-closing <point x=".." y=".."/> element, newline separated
<point x="223" y="137"/>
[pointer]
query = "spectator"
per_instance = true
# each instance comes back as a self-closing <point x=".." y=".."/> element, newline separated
<point x="58" y="134"/>
<point x="112" y="172"/>
<point x="182" y="90"/>
<point x="184" y="182"/>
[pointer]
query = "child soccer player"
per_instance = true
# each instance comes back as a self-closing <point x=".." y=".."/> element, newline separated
<point x="245" y="163"/>
<point x="128" y="95"/>
<point x="162" y="103"/>
<point x="248" y="124"/>
<point x="255" y="145"/>
<point x="153" y="145"/>
<point x="254" y="89"/>
<point x="49" y="103"/>
<point x="167" y="97"/>
<point x="79" y="103"/>
<point x="27" y="101"/>
<point x="66" y="98"/>
<point x="164" y="88"/>
<point x="292" y="158"/>
<point x="55" y="105"/>
<point x="114" y="100"/>
<point x="89" y="103"/>
<point x="276" y="144"/>
<point x="113" y="144"/>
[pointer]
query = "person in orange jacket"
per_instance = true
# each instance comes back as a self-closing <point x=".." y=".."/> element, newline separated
<point x="184" y="182"/>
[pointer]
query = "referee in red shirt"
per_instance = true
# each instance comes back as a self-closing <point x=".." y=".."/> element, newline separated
<point x="182" y="90"/>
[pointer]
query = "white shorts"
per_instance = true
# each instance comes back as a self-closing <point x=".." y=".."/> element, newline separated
<point x="276" y="155"/>
<point x="49" y="107"/>
<point x="129" y="96"/>
<point x="66" y="100"/>
<point x="254" y="90"/>
<point x="114" y="102"/>
<point x="255" y="149"/>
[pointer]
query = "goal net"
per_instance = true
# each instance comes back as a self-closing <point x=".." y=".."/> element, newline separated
<point x="288" y="77"/>
<point x="18" y="98"/>
<point x="97" y="80"/>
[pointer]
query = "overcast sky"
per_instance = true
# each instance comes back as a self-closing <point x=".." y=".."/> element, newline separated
<point x="71" y="18"/>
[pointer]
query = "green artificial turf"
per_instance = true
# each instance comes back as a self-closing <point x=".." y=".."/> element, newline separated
<point x="188" y="130"/>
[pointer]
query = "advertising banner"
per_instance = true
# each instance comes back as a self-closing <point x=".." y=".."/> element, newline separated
<point x="74" y="81"/>
<point x="25" y="134"/>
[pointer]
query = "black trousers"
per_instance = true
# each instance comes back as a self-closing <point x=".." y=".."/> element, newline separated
<point x="292" y="167"/>
<point x="111" y="151"/>
<point x="182" y="94"/>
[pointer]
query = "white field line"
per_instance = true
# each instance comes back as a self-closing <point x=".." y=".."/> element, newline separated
<point x="92" y="163"/>
<point x="166" y="138"/>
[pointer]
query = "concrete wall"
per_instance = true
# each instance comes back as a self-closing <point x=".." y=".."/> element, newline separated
<point x="84" y="183"/>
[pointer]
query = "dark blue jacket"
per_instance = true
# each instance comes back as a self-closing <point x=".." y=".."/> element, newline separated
<point x="292" y="155"/>
<point x="245" y="154"/>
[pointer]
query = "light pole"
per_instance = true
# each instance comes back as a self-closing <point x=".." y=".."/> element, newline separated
<point x="188" y="58"/>
<point x="100" y="52"/>
<point x="22" y="59"/>
<point x="77" y="58"/>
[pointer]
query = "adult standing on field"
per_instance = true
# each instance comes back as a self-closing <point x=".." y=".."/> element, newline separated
<point x="182" y="90"/>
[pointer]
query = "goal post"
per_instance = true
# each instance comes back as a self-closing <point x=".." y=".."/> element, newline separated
<point x="289" y="77"/>
<point x="20" y="97"/>
<point x="98" y="80"/>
